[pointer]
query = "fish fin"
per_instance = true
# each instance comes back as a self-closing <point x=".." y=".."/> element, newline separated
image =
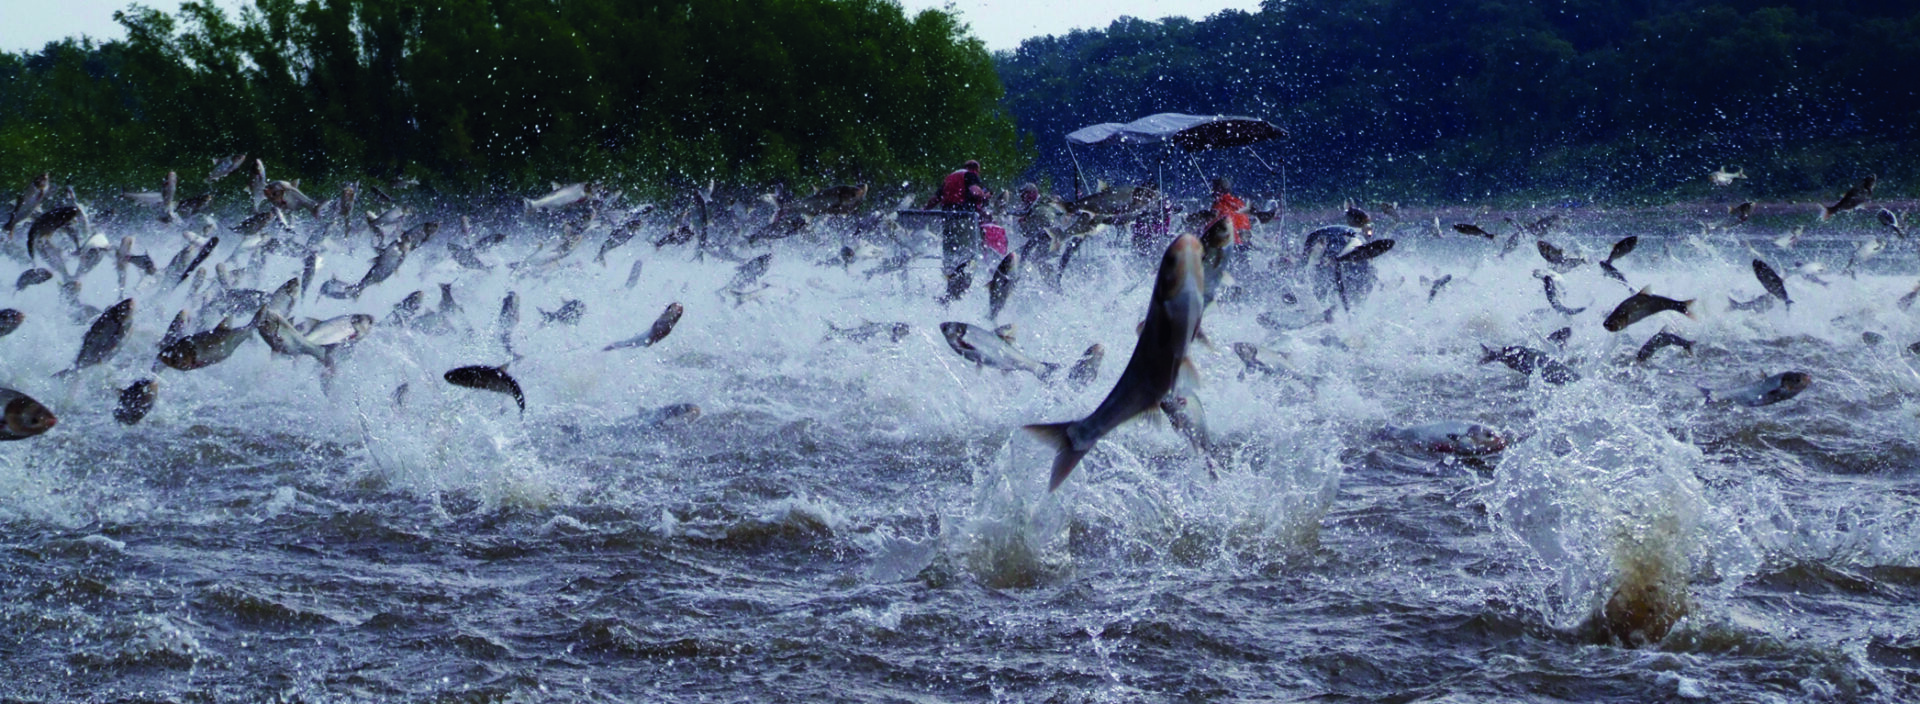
<point x="1708" y="393"/>
<point x="1065" y="457"/>
<point x="1005" y="332"/>
<point x="1188" y="376"/>
<point x="1200" y="336"/>
<point x="1646" y="290"/>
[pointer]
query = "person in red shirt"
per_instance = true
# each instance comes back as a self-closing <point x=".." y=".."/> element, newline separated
<point x="1229" y="206"/>
<point x="964" y="197"/>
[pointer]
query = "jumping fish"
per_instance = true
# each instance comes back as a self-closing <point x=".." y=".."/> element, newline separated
<point x="1557" y="258"/>
<point x="1642" y="304"/>
<point x="958" y="281"/>
<point x="1770" y="280"/>
<point x="661" y="327"/>
<point x="1620" y="249"/>
<point x="1001" y="285"/>
<point x="1548" y="279"/>
<point x="1255" y="359"/>
<point x="1740" y="212"/>
<point x="1088" y="368"/>
<point x="509" y="317"/>
<point x="1173" y="316"/>
<point x="1662" y="339"/>
<point x="1723" y="177"/>
<point x="32" y="277"/>
<point x="992" y="349"/>
<point x="633" y="274"/>
<point x="224" y="166"/>
<point x="1472" y="229"/>
<point x="205" y="348"/>
<point x="10" y="320"/>
<point x="1527" y="360"/>
<point x="867" y="331"/>
<point x="488" y="379"/>
<point x="136" y="401"/>
<point x="1448" y="437"/>
<point x="560" y="197"/>
<point x="29" y="200"/>
<point x="1853" y="198"/>
<point x="1437" y="285"/>
<point x="102" y="338"/>
<point x="568" y="314"/>
<point x="1768" y="391"/>
<point x="1890" y="221"/>
<point x="23" y="416"/>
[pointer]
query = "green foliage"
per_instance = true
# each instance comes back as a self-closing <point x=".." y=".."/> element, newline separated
<point x="1469" y="99"/>
<point x="475" y="96"/>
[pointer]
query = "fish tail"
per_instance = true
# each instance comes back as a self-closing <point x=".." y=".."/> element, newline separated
<point x="1704" y="391"/>
<point x="1047" y="370"/>
<point x="1686" y="308"/>
<point x="1055" y="436"/>
<point x="1827" y="211"/>
<point x="1488" y="354"/>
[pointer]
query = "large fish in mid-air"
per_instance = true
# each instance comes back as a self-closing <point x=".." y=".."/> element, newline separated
<point x="1173" y="316"/>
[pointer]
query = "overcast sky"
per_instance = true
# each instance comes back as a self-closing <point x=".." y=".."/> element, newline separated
<point x="30" y="24"/>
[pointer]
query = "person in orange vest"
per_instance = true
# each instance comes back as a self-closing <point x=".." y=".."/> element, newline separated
<point x="1229" y="206"/>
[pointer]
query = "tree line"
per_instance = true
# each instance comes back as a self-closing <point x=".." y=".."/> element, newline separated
<point x="1465" y="100"/>
<point x="484" y="96"/>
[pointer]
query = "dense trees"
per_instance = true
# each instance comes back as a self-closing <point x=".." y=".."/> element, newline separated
<point x="1465" y="99"/>
<point x="1401" y="99"/>
<point x="472" y="95"/>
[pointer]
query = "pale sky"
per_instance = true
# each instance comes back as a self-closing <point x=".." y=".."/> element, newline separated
<point x="1001" y="24"/>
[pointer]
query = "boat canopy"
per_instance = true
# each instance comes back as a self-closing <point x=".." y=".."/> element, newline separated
<point x="1190" y="133"/>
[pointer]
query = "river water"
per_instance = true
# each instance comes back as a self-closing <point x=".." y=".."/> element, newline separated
<point x="864" y="521"/>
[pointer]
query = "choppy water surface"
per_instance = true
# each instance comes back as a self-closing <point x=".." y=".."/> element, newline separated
<point x="864" y="521"/>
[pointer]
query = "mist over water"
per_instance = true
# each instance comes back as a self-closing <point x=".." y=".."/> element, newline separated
<point x="866" y="521"/>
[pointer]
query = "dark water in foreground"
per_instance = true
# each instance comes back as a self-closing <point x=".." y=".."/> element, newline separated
<point x="862" y="521"/>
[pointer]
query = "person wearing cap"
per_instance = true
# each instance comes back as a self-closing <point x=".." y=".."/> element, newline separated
<point x="1229" y="206"/>
<point x="961" y="192"/>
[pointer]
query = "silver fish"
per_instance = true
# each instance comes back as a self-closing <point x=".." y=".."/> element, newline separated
<point x="1086" y="370"/>
<point x="222" y="167"/>
<point x="1770" y="280"/>
<point x="136" y="401"/>
<point x="23" y="417"/>
<point x="988" y="349"/>
<point x="1001" y="285"/>
<point x="1560" y="260"/>
<point x="1548" y="279"/>
<point x="1448" y="437"/>
<point x="103" y="337"/>
<point x="662" y="326"/>
<point x="560" y="197"/>
<point x="1662" y="339"/>
<point x="205" y="348"/>
<point x="509" y="317"/>
<point x="1173" y="316"/>
<point x="339" y="330"/>
<point x="1770" y="390"/>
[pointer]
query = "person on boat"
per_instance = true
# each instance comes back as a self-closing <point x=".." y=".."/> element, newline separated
<point x="1229" y="206"/>
<point x="964" y="198"/>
